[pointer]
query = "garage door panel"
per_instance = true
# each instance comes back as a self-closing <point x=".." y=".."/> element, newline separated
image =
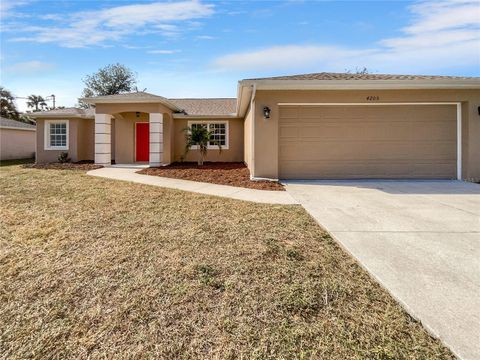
<point x="363" y="150"/>
<point x="355" y="170"/>
<point x="367" y="142"/>
<point x="441" y="130"/>
<point x="291" y="112"/>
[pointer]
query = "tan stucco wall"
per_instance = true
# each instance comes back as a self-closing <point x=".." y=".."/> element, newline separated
<point x="47" y="156"/>
<point x="266" y="130"/>
<point x="247" y="149"/>
<point x="233" y="153"/>
<point x="17" y="144"/>
<point x="85" y="139"/>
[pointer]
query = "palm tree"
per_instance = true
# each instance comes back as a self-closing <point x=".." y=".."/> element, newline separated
<point x="34" y="101"/>
<point x="201" y="137"/>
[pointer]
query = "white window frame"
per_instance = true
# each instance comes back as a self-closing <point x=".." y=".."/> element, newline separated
<point x="47" y="145"/>
<point x="208" y="122"/>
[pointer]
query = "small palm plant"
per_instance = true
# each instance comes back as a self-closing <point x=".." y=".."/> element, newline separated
<point x="200" y="137"/>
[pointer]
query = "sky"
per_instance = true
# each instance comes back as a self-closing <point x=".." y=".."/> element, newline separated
<point x="196" y="48"/>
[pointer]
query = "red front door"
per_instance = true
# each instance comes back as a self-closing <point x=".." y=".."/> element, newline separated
<point x="142" y="141"/>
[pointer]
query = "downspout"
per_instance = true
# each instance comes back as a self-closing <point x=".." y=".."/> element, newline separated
<point x="252" y="134"/>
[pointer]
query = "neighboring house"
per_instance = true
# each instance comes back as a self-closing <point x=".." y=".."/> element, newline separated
<point x="319" y="126"/>
<point x="17" y="140"/>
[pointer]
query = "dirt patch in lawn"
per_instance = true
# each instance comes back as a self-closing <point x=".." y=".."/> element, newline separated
<point x="94" y="268"/>
<point x="223" y="173"/>
<point x="81" y="165"/>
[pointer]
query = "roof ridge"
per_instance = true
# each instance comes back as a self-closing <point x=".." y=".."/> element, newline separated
<point x="204" y="98"/>
<point x="369" y="76"/>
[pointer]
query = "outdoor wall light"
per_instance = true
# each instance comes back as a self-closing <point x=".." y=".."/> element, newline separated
<point x="266" y="112"/>
<point x="137" y="114"/>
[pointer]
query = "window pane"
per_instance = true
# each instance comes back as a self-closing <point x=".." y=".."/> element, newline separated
<point x="219" y="134"/>
<point x="58" y="134"/>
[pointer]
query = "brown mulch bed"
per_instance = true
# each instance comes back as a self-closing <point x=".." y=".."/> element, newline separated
<point x="81" y="165"/>
<point x="223" y="173"/>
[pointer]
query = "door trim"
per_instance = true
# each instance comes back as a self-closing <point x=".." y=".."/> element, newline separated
<point x="135" y="137"/>
<point x="459" y="119"/>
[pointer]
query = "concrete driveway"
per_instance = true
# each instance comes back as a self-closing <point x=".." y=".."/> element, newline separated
<point x="419" y="239"/>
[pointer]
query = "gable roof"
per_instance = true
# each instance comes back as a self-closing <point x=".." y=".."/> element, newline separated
<point x="212" y="106"/>
<point x="71" y="112"/>
<point x="133" y="97"/>
<point x="350" y="76"/>
<point x="14" y="124"/>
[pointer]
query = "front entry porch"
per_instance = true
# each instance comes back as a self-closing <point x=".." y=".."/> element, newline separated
<point x="129" y="138"/>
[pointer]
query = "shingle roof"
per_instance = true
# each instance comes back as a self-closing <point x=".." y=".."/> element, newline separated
<point x="220" y="106"/>
<point x="348" y="76"/>
<point x="67" y="112"/>
<point x="194" y="107"/>
<point x="137" y="95"/>
<point x="4" y="122"/>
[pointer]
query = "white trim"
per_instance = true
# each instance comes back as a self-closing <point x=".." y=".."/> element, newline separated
<point x="17" y="128"/>
<point x="227" y="133"/>
<point x="255" y="178"/>
<point x="46" y="135"/>
<point x="459" y="141"/>
<point x="252" y="127"/>
<point x="369" y="103"/>
<point x="459" y="119"/>
<point x="135" y="140"/>
<point x="203" y="117"/>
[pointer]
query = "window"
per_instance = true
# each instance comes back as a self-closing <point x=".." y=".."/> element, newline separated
<point x="56" y="134"/>
<point x="220" y="132"/>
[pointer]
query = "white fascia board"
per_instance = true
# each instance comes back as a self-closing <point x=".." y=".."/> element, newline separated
<point x="60" y="116"/>
<point x="362" y="84"/>
<point x="17" y="128"/>
<point x="245" y="93"/>
<point x="183" y="116"/>
<point x="93" y="101"/>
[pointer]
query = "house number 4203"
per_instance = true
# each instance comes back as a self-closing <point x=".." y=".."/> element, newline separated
<point x="373" y="98"/>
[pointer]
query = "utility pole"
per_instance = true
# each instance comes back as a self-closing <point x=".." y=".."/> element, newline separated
<point x="53" y="99"/>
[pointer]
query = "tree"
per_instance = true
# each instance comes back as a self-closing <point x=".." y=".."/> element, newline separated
<point x="37" y="102"/>
<point x="360" y="71"/>
<point x="110" y="80"/>
<point x="201" y="137"/>
<point x="7" y="104"/>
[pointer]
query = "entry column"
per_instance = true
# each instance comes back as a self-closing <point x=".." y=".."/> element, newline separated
<point x="103" y="138"/>
<point x="156" y="139"/>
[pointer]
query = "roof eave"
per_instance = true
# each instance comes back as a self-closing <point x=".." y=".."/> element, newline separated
<point x="362" y="84"/>
<point x="94" y="101"/>
<point x="17" y="128"/>
<point x="60" y="116"/>
<point x="192" y="116"/>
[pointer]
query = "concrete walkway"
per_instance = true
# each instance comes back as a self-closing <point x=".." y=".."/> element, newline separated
<point x="259" y="196"/>
<point x="419" y="239"/>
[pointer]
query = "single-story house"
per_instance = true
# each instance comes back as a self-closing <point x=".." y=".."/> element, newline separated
<point x="17" y="139"/>
<point x="311" y="126"/>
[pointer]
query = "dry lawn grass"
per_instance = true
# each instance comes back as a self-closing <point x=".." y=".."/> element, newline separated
<point x="93" y="268"/>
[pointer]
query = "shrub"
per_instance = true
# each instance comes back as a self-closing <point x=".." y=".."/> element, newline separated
<point x="63" y="158"/>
